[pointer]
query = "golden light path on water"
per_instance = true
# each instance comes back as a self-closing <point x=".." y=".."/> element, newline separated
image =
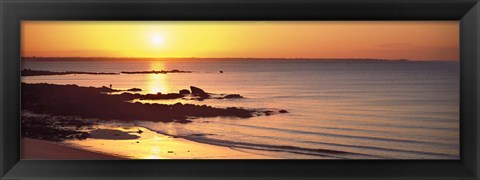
<point x="157" y="82"/>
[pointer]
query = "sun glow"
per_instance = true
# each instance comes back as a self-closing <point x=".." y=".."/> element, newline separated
<point x="157" y="39"/>
<point x="419" y="40"/>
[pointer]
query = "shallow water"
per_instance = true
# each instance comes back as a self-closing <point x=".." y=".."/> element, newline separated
<point x="363" y="108"/>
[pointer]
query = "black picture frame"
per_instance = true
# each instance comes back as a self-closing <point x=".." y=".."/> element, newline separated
<point x="12" y="12"/>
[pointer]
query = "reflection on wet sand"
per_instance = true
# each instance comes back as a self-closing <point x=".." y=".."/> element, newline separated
<point x="151" y="145"/>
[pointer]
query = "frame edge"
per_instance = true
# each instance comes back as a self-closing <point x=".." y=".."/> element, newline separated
<point x="470" y="65"/>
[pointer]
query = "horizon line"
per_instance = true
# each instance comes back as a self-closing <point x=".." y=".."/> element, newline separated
<point x="242" y="58"/>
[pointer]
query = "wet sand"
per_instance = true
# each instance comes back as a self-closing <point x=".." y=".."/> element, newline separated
<point x="48" y="150"/>
<point x="110" y="142"/>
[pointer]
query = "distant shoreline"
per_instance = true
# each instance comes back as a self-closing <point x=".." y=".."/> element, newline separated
<point x="30" y="72"/>
<point x="218" y="59"/>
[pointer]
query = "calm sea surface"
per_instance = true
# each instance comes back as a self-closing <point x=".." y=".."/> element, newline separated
<point x="367" y="109"/>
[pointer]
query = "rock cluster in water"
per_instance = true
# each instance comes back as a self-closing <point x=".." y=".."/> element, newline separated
<point x="91" y="102"/>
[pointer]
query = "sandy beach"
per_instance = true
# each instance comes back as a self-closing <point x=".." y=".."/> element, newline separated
<point x="48" y="150"/>
<point x="126" y="143"/>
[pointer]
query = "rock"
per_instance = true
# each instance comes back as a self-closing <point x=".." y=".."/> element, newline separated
<point x="199" y="92"/>
<point x="268" y="113"/>
<point x="239" y="112"/>
<point x="183" y="121"/>
<point x="233" y="96"/>
<point x="184" y="92"/>
<point x="134" y="89"/>
<point x="283" y="111"/>
<point x="196" y="90"/>
<point x="221" y="71"/>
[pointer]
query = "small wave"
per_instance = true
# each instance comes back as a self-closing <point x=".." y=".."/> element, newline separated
<point x="443" y="155"/>
<point x="285" y="148"/>
<point x="345" y="136"/>
<point x="278" y="148"/>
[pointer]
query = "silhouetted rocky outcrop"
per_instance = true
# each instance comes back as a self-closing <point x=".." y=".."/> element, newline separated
<point x="199" y="92"/>
<point x="233" y="96"/>
<point x="91" y="102"/>
<point x="184" y="92"/>
<point x="158" y="96"/>
<point x="196" y="90"/>
<point x="134" y="89"/>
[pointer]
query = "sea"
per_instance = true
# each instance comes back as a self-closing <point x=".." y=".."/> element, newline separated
<point x="358" y="109"/>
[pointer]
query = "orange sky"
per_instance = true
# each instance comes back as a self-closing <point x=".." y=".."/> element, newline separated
<point x="416" y="40"/>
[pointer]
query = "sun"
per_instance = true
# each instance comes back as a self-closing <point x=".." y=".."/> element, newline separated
<point x="157" y="39"/>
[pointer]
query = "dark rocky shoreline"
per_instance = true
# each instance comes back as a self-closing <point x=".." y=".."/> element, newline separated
<point x="54" y="128"/>
<point x="60" y="111"/>
<point x="92" y="102"/>
<point x="194" y="94"/>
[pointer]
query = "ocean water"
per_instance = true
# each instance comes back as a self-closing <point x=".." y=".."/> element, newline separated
<point x="362" y="109"/>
